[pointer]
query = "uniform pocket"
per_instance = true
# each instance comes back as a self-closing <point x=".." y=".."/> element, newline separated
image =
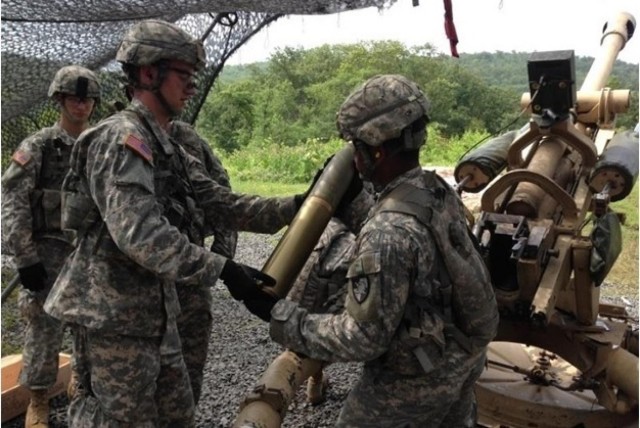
<point x="51" y="209"/>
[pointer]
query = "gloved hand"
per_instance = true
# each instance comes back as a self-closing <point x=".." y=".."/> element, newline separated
<point x="354" y="189"/>
<point x="262" y="308"/>
<point x="33" y="277"/>
<point x="302" y="196"/>
<point x="245" y="284"/>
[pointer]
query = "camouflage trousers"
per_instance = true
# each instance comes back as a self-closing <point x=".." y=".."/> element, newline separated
<point x="43" y="333"/>
<point x="383" y="399"/>
<point x="124" y="383"/>
<point x="194" y="327"/>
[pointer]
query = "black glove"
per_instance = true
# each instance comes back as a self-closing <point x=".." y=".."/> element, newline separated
<point x="302" y="196"/>
<point x="262" y="308"/>
<point x="354" y="189"/>
<point x="244" y="282"/>
<point x="33" y="277"/>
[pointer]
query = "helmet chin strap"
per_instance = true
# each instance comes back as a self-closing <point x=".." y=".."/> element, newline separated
<point x="154" y="88"/>
<point x="162" y="74"/>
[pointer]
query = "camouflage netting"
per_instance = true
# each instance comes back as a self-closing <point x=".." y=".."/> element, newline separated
<point x="40" y="36"/>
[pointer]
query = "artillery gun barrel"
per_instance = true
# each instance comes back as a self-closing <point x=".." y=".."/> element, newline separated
<point x="528" y="197"/>
<point x="615" y="34"/>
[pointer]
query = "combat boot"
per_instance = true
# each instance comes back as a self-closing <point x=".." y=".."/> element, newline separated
<point x="317" y="388"/>
<point x="38" y="410"/>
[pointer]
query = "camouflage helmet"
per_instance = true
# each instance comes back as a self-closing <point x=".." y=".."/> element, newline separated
<point x="381" y="109"/>
<point x="152" y="40"/>
<point x="75" y="80"/>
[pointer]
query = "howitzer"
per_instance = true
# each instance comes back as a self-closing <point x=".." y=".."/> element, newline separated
<point x="561" y="358"/>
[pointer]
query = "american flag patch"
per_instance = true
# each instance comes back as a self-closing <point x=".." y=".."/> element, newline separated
<point x="21" y="157"/>
<point x="139" y="147"/>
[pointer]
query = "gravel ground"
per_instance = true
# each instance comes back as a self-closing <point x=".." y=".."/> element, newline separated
<point x="240" y="350"/>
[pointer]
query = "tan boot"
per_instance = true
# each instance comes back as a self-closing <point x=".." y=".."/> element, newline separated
<point x="316" y="388"/>
<point x="38" y="410"/>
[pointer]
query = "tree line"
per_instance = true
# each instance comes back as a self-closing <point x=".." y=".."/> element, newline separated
<point x="294" y="96"/>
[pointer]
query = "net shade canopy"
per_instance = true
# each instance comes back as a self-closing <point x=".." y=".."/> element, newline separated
<point x="41" y="36"/>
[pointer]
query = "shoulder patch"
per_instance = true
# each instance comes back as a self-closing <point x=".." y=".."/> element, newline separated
<point x="21" y="157"/>
<point x="139" y="147"/>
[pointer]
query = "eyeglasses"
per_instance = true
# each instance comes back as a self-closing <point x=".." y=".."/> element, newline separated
<point x="78" y="100"/>
<point x="185" y="76"/>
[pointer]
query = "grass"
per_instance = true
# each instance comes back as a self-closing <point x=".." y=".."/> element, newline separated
<point x="625" y="271"/>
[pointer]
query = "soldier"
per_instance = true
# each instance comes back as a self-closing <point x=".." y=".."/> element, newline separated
<point x="420" y="308"/>
<point x="31" y="227"/>
<point x="195" y="319"/>
<point x="320" y="287"/>
<point x="139" y="203"/>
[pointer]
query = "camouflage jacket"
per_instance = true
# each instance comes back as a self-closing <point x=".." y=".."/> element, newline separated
<point x="127" y="264"/>
<point x="225" y="239"/>
<point x="31" y="192"/>
<point x="321" y="284"/>
<point x="391" y="269"/>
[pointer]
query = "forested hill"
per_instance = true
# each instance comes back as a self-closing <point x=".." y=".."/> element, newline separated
<point x="506" y="69"/>
<point x="294" y="96"/>
<point x="510" y="70"/>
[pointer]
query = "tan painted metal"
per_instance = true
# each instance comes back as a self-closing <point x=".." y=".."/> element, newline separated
<point x="563" y="360"/>
<point x="303" y="233"/>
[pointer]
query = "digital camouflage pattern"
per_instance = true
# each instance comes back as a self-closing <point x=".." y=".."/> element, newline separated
<point x="31" y="233"/>
<point x="380" y="109"/>
<point x="75" y="80"/>
<point x="392" y="269"/>
<point x="320" y="286"/>
<point x="225" y="239"/>
<point x="43" y="334"/>
<point x="152" y="40"/>
<point x="119" y="385"/>
<point x="194" y="320"/>
<point x="33" y="178"/>
<point x="123" y="275"/>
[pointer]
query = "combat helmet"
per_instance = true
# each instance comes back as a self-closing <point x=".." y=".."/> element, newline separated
<point x="382" y="109"/>
<point x="153" y="40"/>
<point x="75" y="80"/>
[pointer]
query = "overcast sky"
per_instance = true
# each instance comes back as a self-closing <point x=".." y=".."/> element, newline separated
<point x="482" y="25"/>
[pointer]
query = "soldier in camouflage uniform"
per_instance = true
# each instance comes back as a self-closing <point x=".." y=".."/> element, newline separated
<point x="420" y="308"/>
<point x="195" y="319"/>
<point x="139" y="204"/>
<point x="31" y="227"/>
<point x="321" y="286"/>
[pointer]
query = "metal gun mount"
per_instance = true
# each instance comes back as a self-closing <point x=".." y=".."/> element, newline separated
<point x="561" y="358"/>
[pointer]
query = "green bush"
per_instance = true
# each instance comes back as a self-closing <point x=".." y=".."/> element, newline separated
<point x="273" y="161"/>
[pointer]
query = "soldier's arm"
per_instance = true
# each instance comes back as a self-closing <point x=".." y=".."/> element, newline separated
<point x="238" y="211"/>
<point x="225" y="238"/>
<point x="377" y="292"/>
<point x="122" y="185"/>
<point x="18" y="185"/>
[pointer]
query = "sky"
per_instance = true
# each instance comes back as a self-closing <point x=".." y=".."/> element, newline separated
<point x="482" y="26"/>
